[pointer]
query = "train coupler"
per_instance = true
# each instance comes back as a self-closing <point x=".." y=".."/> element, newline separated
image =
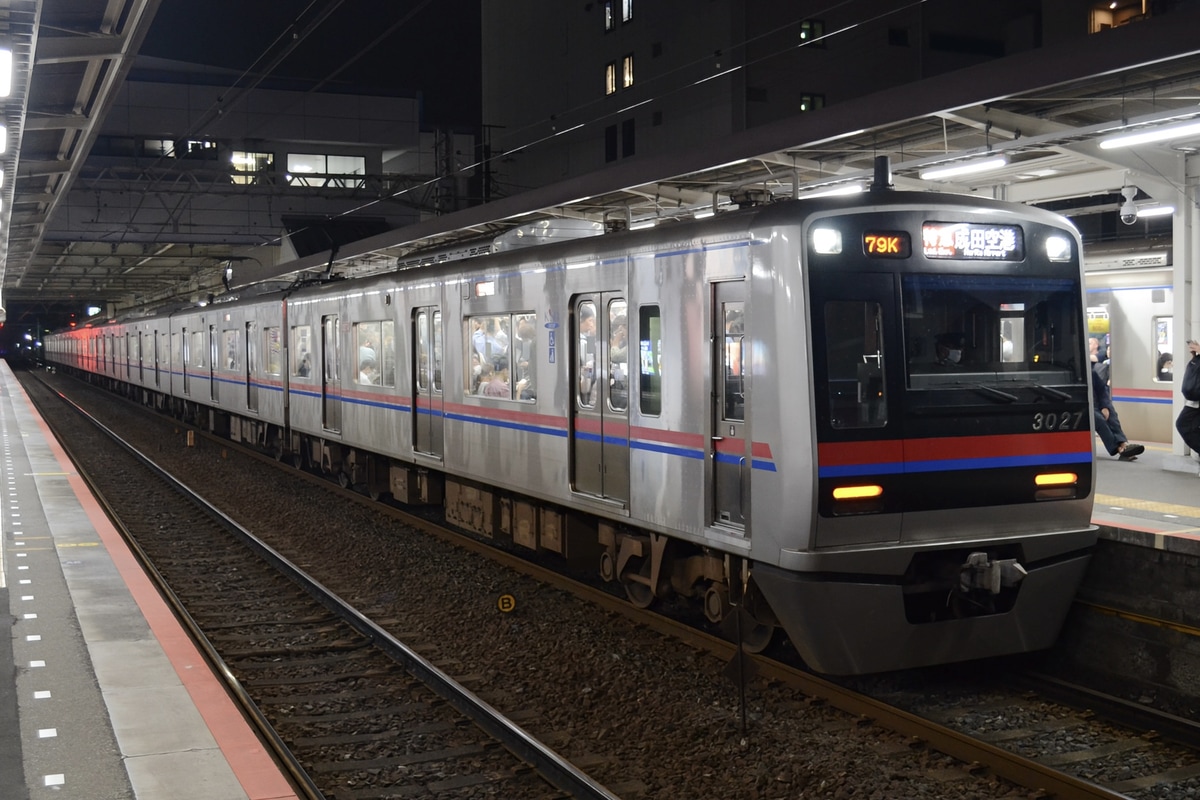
<point x="981" y="572"/>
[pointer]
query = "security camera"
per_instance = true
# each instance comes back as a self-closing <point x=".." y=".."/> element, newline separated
<point x="1128" y="209"/>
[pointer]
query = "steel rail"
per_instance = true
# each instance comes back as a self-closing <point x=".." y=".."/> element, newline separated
<point x="558" y="771"/>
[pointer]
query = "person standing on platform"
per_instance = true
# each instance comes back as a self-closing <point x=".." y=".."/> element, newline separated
<point x="1188" y="421"/>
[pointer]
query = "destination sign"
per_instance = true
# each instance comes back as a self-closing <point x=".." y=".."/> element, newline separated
<point x="969" y="240"/>
<point x="887" y="244"/>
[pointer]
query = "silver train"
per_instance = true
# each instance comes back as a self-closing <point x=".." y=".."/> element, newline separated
<point x="864" y="421"/>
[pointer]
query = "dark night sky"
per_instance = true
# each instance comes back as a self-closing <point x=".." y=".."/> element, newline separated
<point x="407" y="46"/>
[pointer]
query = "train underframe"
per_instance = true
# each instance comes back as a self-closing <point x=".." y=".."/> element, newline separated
<point x="649" y="566"/>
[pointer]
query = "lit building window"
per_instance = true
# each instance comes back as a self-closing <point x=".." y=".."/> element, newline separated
<point x="248" y="167"/>
<point x="310" y="169"/>
<point x="627" y="71"/>
<point x="610" y="17"/>
<point x="162" y="148"/>
<point x="811" y="102"/>
<point x="626" y="10"/>
<point x="610" y="78"/>
<point x="811" y="30"/>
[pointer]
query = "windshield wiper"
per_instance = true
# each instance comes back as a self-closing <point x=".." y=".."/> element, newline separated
<point x="1050" y="391"/>
<point x="990" y="391"/>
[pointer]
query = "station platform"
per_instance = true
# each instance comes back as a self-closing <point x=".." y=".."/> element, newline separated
<point x="110" y="699"/>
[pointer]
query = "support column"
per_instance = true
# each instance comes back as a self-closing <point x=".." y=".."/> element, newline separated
<point x="1186" y="279"/>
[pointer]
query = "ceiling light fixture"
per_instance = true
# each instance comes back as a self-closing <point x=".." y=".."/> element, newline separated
<point x="1155" y="211"/>
<point x="6" y="69"/>
<point x="1191" y="128"/>
<point x="963" y="168"/>
<point x="3" y="138"/>
<point x="833" y="191"/>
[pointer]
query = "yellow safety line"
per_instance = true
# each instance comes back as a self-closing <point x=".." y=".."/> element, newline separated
<point x="1129" y="615"/>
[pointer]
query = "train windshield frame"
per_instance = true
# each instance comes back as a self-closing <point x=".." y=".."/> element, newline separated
<point x="991" y="330"/>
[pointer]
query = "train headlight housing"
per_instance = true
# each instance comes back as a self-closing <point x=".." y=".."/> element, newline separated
<point x="1058" y="248"/>
<point x="827" y="241"/>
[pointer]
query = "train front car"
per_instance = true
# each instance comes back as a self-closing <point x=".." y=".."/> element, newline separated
<point x="951" y="434"/>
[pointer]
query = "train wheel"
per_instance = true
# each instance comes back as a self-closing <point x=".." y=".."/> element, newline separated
<point x="637" y="585"/>
<point x="756" y="636"/>
<point x="343" y="479"/>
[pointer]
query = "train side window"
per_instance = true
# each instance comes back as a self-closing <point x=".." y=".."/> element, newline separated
<point x="302" y="348"/>
<point x="387" y="353"/>
<point x="488" y="350"/>
<point x="854" y="354"/>
<point x="524" y="356"/>
<point x="274" y="350"/>
<point x="650" y="360"/>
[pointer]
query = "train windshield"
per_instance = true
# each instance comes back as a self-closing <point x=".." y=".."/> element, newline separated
<point x="991" y="329"/>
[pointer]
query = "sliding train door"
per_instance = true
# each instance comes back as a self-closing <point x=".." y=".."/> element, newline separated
<point x="600" y="384"/>
<point x="731" y="454"/>
<point x="331" y="381"/>
<point x="427" y="404"/>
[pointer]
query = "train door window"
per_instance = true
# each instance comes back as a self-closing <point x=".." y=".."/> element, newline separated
<point x="437" y="351"/>
<point x="1012" y="338"/>
<point x="274" y="350"/>
<point x="649" y="350"/>
<point x="618" y="355"/>
<point x="367" y="341"/>
<point x="424" y="352"/>
<point x="214" y="361"/>
<point x="587" y="354"/>
<point x="733" y="393"/>
<point x="135" y="354"/>
<point x="230" y="345"/>
<point x="251" y="365"/>
<point x="1164" y="359"/>
<point x="854" y="354"/>
<point x="302" y="348"/>
<point x="197" y="349"/>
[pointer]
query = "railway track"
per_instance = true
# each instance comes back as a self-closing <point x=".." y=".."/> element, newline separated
<point x="993" y="730"/>
<point x="351" y="710"/>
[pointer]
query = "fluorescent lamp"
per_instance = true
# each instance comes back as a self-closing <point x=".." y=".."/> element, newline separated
<point x="643" y="224"/>
<point x="1155" y="211"/>
<point x="6" y="66"/>
<point x="3" y="138"/>
<point x="1191" y="128"/>
<point x="967" y="168"/>
<point x="834" y="191"/>
<point x="704" y="213"/>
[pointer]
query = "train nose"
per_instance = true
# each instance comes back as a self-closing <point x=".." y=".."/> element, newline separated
<point x="981" y="572"/>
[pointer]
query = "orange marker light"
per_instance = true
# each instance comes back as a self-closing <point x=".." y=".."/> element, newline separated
<point x="1056" y="478"/>
<point x="856" y="492"/>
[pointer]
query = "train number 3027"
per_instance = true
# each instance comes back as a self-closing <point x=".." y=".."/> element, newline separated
<point x="1057" y="420"/>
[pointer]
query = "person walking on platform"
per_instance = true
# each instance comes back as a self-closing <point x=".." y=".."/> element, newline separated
<point x="1108" y="424"/>
<point x="1188" y="421"/>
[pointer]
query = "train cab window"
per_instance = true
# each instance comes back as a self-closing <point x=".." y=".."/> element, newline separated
<point x="854" y="357"/>
<point x="302" y="351"/>
<point x="274" y="351"/>
<point x="967" y="331"/>
<point x="618" y="356"/>
<point x="649" y="358"/>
